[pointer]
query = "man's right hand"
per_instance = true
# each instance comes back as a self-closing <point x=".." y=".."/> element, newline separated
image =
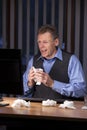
<point x="31" y="76"/>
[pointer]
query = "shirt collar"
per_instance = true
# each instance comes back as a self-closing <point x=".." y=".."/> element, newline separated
<point x="58" y="55"/>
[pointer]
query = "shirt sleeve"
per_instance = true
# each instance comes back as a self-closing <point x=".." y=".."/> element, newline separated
<point x="77" y="84"/>
<point x="25" y="77"/>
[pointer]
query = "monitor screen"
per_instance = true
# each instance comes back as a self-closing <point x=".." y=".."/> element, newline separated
<point x="10" y="72"/>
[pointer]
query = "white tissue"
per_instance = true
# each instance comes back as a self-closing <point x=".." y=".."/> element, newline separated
<point x="49" y="102"/>
<point x="67" y="104"/>
<point x="35" y="69"/>
<point x="84" y="107"/>
<point x="20" y="103"/>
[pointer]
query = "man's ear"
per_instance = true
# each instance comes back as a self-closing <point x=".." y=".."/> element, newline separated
<point x="56" y="42"/>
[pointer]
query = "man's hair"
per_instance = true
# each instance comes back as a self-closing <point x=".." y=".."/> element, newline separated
<point x="48" y="28"/>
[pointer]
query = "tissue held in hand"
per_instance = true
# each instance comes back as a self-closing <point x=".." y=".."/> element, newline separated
<point x="35" y="70"/>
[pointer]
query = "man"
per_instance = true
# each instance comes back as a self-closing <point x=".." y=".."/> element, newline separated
<point x="62" y="75"/>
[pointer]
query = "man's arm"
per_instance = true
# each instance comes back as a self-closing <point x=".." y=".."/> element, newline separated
<point x="77" y="84"/>
<point x="25" y="76"/>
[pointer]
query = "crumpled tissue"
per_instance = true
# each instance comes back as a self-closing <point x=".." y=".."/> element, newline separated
<point x="84" y="107"/>
<point x="20" y="103"/>
<point x="67" y="104"/>
<point x="49" y="102"/>
<point x="37" y="69"/>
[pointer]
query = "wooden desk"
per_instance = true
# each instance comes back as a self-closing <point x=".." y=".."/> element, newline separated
<point x="38" y="116"/>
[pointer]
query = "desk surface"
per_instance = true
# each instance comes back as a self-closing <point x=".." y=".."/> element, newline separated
<point x="36" y="110"/>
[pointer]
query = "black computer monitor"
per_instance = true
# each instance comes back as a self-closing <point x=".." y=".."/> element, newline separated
<point x="11" y="72"/>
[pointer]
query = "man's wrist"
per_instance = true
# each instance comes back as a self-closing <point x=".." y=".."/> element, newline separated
<point x="52" y="84"/>
<point x="30" y="84"/>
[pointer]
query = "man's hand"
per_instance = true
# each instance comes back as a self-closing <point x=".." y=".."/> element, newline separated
<point x="31" y="77"/>
<point x="44" y="78"/>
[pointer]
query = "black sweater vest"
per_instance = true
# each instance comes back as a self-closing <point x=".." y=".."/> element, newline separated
<point x="58" y="72"/>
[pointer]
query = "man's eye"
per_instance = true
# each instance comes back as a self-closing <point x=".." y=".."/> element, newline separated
<point x="45" y="42"/>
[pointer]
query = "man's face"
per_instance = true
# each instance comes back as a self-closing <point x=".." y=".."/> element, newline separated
<point x="47" y="45"/>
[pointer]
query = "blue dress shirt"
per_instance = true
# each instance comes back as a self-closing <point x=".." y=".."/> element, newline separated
<point x="77" y="84"/>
